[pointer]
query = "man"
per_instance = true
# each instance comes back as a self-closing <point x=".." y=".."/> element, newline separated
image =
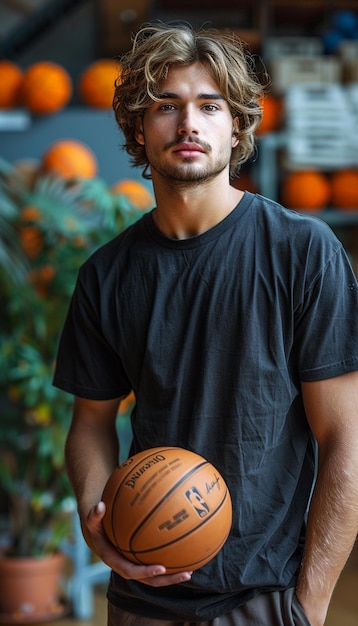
<point x="234" y="321"/>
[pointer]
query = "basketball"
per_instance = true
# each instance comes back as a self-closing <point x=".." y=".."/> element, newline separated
<point x="96" y="83"/>
<point x="46" y="88"/>
<point x="69" y="158"/>
<point x="167" y="506"/>
<point x="10" y="79"/>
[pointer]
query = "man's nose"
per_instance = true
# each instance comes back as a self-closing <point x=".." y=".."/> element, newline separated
<point x="188" y="122"/>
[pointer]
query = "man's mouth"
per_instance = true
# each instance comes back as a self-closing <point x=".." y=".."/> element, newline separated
<point x="188" y="149"/>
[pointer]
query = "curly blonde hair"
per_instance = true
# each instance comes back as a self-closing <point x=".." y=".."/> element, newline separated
<point x="157" y="47"/>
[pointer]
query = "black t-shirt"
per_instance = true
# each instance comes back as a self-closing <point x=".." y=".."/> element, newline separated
<point x="214" y="334"/>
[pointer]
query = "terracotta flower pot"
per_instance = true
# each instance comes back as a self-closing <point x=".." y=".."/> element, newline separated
<point x="30" y="589"/>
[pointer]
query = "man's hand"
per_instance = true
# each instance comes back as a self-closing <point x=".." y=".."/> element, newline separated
<point x="152" y="575"/>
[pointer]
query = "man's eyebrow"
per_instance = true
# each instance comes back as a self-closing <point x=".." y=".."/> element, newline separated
<point x="200" y="96"/>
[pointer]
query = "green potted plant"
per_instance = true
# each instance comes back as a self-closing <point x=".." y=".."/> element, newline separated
<point x="48" y="227"/>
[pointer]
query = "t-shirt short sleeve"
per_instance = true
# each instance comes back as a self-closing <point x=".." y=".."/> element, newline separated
<point x="87" y="365"/>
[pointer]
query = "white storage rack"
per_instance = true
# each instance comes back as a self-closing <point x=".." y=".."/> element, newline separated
<point x="321" y="127"/>
<point x="320" y="132"/>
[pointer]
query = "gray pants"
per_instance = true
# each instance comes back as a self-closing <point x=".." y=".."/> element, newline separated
<point x="278" y="608"/>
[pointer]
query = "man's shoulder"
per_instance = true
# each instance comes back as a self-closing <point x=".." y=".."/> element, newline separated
<point x="292" y="223"/>
<point x="114" y="250"/>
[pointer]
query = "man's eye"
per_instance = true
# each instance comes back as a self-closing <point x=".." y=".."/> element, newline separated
<point x="167" y="107"/>
<point x="210" y="107"/>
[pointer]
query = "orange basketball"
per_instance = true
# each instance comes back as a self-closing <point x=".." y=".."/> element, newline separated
<point x="68" y="159"/>
<point x="167" y="506"/>
<point x="46" y="88"/>
<point x="271" y="114"/>
<point x="345" y="189"/>
<point x="96" y="83"/>
<point x="306" y="190"/>
<point x="135" y="192"/>
<point x="10" y="81"/>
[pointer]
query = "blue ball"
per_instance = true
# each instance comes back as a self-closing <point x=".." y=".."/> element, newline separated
<point x="332" y="39"/>
<point x="345" y="21"/>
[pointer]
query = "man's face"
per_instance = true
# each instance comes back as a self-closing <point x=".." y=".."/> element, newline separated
<point x="188" y="133"/>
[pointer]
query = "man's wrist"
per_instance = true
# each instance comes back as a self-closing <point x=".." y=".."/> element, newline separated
<point x="315" y="606"/>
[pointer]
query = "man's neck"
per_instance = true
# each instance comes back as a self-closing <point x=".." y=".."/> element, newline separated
<point x="186" y="212"/>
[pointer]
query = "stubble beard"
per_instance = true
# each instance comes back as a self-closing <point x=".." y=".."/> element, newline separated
<point x="184" y="176"/>
<point x="188" y="173"/>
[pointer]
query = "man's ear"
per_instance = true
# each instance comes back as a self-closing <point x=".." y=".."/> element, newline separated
<point x="235" y="132"/>
<point x="139" y="132"/>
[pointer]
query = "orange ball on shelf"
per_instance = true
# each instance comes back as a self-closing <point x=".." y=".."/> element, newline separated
<point x="68" y="159"/>
<point x="46" y="88"/>
<point x="135" y="192"/>
<point x="10" y="84"/>
<point x="345" y="189"/>
<point x="306" y="190"/>
<point x="96" y="83"/>
<point x="271" y="114"/>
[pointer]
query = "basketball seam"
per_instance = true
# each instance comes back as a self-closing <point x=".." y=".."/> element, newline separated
<point x="165" y="497"/>
<point x="173" y="541"/>
<point x="125" y="477"/>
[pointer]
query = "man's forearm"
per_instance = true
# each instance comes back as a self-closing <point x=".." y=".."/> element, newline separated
<point x="91" y="455"/>
<point x="331" y="529"/>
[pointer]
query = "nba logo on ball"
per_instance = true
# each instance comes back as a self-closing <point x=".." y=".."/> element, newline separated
<point x="167" y="506"/>
<point x="197" y="501"/>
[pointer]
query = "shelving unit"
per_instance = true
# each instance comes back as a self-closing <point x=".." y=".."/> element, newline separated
<point x="13" y="121"/>
<point x="343" y="222"/>
<point x="255" y="19"/>
<point x="267" y="178"/>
